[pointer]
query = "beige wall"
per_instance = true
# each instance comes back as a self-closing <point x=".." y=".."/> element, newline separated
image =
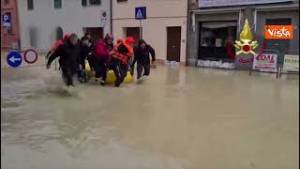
<point x="72" y="18"/>
<point x="160" y="15"/>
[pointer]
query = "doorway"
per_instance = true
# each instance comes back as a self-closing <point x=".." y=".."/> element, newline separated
<point x="133" y="32"/>
<point x="96" y="32"/>
<point x="173" y="43"/>
<point x="59" y="33"/>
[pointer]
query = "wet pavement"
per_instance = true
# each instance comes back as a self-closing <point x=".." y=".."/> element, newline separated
<point x="179" y="118"/>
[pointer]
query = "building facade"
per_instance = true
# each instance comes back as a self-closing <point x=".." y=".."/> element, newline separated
<point x="44" y="21"/>
<point x="9" y="25"/>
<point x="214" y="23"/>
<point x="164" y="28"/>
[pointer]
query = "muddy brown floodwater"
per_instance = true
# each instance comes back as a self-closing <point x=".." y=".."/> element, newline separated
<point x="179" y="118"/>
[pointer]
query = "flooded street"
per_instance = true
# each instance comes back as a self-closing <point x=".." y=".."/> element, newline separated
<point x="179" y="118"/>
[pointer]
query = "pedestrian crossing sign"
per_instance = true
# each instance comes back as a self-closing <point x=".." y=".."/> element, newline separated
<point x="140" y="13"/>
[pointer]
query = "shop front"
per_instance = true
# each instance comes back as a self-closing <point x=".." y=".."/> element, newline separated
<point x="217" y="40"/>
<point x="215" y="27"/>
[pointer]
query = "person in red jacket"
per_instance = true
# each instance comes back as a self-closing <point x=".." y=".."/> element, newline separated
<point x="102" y="58"/>
<point x="230" y="50"/>
<point x="121" y="54"/>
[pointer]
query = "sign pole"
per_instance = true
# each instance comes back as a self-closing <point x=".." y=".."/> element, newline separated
<point x="140" y="14"/>
<point x="141" y="30"/>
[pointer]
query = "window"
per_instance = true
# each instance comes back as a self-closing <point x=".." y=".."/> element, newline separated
<point x="90" y="2"/>
<point x="95" y="2"/>
<point x="83" y="2"/>
<point x="30" y="4"/>
<point x="57" y="4"/>
<point x="122" y="0"/>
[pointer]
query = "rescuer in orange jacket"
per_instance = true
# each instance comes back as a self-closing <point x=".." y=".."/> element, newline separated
<point x="120" y="56"/>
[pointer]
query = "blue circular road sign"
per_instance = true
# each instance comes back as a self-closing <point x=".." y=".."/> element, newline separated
<point x="14" y="59"/>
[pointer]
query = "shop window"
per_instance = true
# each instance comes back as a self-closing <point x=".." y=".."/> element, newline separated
<point x="30" y="4"/>
<point x="57" y="4"/>
<point x="216" y="40"/>
<point x="90" y="2"/>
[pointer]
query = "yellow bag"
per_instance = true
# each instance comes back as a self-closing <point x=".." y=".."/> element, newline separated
<point x="111" y="77"/>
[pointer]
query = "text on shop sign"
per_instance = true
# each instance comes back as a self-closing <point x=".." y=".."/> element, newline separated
<point x="278" y="32"/>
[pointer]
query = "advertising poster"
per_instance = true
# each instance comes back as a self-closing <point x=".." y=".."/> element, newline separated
<point x="266" y="62"/>
<point x="291" y="63"/>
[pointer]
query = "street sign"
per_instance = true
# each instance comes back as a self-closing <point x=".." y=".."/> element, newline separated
<point x="103" y="19"/>
<point x="6" y="19"/>
<point x="140" y="13"/>
<point x="14" y="59"/>
<point x="30" y="56"/>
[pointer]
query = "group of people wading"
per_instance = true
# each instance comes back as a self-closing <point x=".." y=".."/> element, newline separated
<point x="102" y="56"/>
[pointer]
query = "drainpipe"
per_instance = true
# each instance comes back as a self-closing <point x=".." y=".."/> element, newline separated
<point x="111" y="16"/>
<point x="240" y="21"/>
<point x="187" y="34"/>
<point x="18" y="25"/>
<point x="255" y="20"/>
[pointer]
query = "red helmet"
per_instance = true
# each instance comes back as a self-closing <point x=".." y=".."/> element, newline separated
<point x="66" y="37"/>
<point x="129" y="40"/>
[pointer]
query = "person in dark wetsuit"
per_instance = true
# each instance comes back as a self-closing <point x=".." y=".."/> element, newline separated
<point x="85" y="53"/>
<point x="142" y="54"/>
<point x="69" y="54"/>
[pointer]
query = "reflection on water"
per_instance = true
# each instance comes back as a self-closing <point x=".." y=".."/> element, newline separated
<point x="179" y="118"/>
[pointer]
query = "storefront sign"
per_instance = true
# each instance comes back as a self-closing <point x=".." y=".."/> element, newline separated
<point x="279" y="32"/>
<point x="243" y="62"/>
<point x="217" y="3"/>
<point x="291" y="63"/>
<point x="266" y="62"/>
